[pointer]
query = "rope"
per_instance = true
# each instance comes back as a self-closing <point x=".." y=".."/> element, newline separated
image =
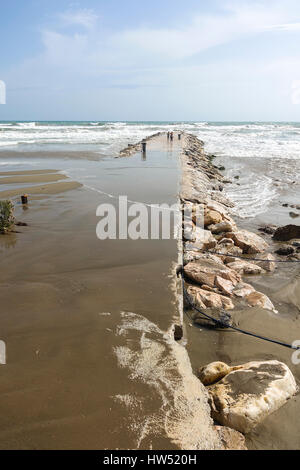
<point x="226" y="325"/>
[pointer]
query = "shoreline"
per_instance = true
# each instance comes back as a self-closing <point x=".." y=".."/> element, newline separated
<point x="75" y="276"/>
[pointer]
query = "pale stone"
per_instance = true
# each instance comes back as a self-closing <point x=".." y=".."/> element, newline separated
<point x="205" y="299"/>
<point x="268" y="265"/>
<point x="251" y="392"/>
<point x="205" y="272"/>
<point x="213" y="372"/>
<point x="258" y="299"/>
<point x="243" y="289"/>
<point x="226" y="287"/>
<point x="249" y="242"/>
<point x="212" y="217"/>
<point x="222" y="227"/>
<point x="244" y="267"/>
<point x="203" y="239"/>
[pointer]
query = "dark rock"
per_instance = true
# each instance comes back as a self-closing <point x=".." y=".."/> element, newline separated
<point x="294" y="215"/>
<point x="178" y="332"/>
<point x="286" y="233"/>
<point x="269" y="229"/>
<point x="21" y="224"/>
<point x="285" y="205"/>
<point x="285" y="250"/>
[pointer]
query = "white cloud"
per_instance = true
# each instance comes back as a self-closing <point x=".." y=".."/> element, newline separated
<point x="86" y="18"/>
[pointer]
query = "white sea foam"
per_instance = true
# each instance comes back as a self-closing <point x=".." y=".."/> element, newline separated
<point x="278" y="143"/>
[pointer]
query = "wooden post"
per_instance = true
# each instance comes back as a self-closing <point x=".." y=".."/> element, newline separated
<point x="24" y="199"/>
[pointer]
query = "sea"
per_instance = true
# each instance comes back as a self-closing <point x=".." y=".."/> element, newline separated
<point x="261" y="158"/>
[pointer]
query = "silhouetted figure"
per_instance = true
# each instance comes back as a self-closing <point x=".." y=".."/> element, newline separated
<point x="171" y="136"/>
<point x="179" y="136"/>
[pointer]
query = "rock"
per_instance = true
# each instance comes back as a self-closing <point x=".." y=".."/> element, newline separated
<point x="213" y="372"/>
<point x="212" y="217"/>
<point x="268" y="265"/>
<point x="178" y="332"/>
<point x="249" y="242"/>
<point x="226" y="241"/>
<point x="208" y="288"/>
<point x="242" y="289"/>
<point x="205" y="272"/>
<point x="222" y="227"/>
<point x="251" y="392"/>
<point x="226" y="287"/>
<point x="293" y="215"/>
<point x="244" y="267"/>
<point x="285" y="250"/>
<point x="231" y="439"/>
<point x="203" y="239"/>
<point x="204" y="299"/>
<point x="257" y="299"/>
<point x="286" y="233"/>
<point x="269" y="229"/>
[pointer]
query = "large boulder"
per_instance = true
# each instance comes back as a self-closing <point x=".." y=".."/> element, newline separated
<point x="248" y="394"/>
<point x="286" y="233"/>
<point x="249" y="242"/>
<point x="205" y="272"/>
<point x="205" y="299"/>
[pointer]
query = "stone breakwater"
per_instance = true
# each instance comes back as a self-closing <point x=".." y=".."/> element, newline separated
<point x="218" y="269"/>
<point x="215" y="264"/>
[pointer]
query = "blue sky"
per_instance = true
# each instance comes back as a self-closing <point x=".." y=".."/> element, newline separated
<point x="159" y="60"/>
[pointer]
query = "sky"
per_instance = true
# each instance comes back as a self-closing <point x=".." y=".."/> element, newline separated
<point x="160" y="60"/>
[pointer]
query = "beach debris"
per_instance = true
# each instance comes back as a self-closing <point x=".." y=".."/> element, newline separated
<point x="286" y="233"/>
<point x="231" y="439"/>
<point x="7" y="219"/>
<point x="249" y="242"/>
<point x="246" y="395"/>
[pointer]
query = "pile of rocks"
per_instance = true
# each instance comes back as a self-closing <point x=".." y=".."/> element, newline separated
<point x="215" y="262"/>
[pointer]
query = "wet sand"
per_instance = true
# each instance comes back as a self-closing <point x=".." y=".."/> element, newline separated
<point x="91" y="360"/>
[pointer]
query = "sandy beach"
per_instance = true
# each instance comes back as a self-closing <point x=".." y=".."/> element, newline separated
<point x="77" y="310"/>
